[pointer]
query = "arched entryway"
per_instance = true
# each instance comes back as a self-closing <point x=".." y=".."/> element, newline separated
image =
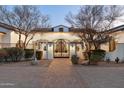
<point x="61" y="48"/>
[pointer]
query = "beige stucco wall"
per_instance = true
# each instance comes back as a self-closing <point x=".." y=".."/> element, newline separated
<point x="105" y="47"/>
<point x="119" y="50"/>
<point x="15" y="37"/>
<point x="119" y="36"/>
<point x="6" y="38"/>
<point x="51" y="36"/>
<point x="12" y="37"/>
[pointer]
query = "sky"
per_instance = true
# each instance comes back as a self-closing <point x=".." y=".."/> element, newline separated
<point x="57" y="13"/>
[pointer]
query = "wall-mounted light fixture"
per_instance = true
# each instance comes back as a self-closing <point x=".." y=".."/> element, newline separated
<point x="50" y="44"/>
<point x="72" y="44"/>
<point x="45" y="48"/>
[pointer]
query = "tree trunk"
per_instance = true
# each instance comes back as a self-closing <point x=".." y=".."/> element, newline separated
<point x="25" y="41"/>
<point x="89" y="55"/>
<point x="19" y="40"/>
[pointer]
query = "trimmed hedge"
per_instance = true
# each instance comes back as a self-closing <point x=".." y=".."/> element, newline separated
<point x="14" y="54"/>
<point x="97" y="55"/>
<point x="3" y="55"/>
<point x="11" y="54"/>
<point x="29" y="53"/>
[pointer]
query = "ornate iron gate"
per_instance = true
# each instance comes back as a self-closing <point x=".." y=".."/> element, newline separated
<point x="61" y="48"/>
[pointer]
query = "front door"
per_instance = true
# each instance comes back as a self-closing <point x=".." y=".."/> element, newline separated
<point x="61" y="48"/>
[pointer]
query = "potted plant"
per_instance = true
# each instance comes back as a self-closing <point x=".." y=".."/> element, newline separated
<point x="74" y="59"/>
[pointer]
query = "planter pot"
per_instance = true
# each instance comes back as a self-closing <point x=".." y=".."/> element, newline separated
<point x="74" y="59"/>
<point x="34" y="62"/>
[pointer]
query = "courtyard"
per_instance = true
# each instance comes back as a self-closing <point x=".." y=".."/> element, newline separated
<point x="61" y="73"/>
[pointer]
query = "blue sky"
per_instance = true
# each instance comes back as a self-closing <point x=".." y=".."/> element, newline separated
<point x="57" y="13"/>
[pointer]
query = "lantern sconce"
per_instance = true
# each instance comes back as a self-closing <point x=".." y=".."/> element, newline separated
<point x="50" y="44"/>
<point x="72" y="45"/>
<point x="45" y="48"/>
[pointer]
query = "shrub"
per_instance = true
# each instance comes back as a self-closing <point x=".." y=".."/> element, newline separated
<point x="74" y="59"/>
<point x="29" y="53"/>
<point x="39" y="55"/>
<point x="2" y="52"/>
<point x="97" y="55"/>
<point x="3" y="55"/>
<point x="11" y="54"/>
<point x="15" y="54"/>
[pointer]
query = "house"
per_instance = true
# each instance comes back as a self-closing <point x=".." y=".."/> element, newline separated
<point x="61" y="42"/>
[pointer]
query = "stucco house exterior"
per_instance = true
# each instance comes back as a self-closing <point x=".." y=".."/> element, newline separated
<point x="61" y="42"/>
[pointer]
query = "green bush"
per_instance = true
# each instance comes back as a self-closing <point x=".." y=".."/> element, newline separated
<point x="14" y="53"/>
<point x="39" y="55"/>
<point x="29" y="53"/>
<point x="3" y="55"/>
<point x="74" y="59"/>
<point x="97" y="55"/>
<point x="11" y="54"/>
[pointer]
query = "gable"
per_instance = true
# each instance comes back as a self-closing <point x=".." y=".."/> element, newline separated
<point x="60" y="28"/>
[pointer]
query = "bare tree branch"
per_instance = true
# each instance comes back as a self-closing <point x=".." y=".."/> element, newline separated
<point x="94" y="20"/>
<point x="25" y="19"/>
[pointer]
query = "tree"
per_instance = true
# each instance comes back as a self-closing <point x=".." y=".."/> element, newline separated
<point x="93" y="23"/>
<point x="24" y="19"/>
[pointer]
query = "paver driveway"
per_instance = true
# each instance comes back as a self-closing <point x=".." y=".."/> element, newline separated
<point x="61" y="73"/>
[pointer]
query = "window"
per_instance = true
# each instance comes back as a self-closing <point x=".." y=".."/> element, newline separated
<point x="60" y="29"/>
<point x="112" y="45"/>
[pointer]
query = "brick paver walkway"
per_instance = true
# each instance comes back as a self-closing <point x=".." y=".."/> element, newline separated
<point x="61" y="73"/>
